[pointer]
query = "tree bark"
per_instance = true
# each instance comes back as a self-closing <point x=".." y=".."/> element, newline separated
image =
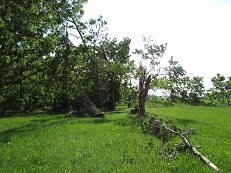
<point x="112" y="93"/>
<point x="143" y="92"/>
<point x="194" y="150"/>
<point x="99" y="87"/>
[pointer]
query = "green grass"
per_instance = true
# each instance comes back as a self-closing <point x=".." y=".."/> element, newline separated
<point x="55" y="143"/>
<point x="214" y="129"/>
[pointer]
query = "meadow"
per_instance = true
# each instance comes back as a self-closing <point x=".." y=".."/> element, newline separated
<point x="43" y="142"/>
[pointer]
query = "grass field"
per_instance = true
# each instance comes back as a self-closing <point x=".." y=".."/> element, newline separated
<point x="55" y="143"/>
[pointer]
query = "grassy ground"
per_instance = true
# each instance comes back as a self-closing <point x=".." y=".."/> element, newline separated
<point x="55" y="143"/>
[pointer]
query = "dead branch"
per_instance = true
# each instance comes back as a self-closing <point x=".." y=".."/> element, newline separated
<point x="194" y="150"/>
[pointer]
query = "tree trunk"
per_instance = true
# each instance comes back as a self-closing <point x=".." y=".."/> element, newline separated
<point x="66" y="63"/>
<point x="112" y="93"/>
<point x="65" y="75"/>
<point x="99" y="88"/>
<point x="143" y="92"/>
<point x="142" y="105"/>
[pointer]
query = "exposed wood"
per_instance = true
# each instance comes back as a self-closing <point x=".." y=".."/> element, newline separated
<point x="194" y="150"/>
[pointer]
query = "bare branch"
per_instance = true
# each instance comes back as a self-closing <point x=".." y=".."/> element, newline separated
<point x="194" y="150"/>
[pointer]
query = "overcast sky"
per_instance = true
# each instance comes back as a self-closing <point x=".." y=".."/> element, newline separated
<point x="198" y="32"/>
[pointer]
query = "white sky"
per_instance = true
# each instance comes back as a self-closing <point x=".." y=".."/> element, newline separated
<point x="198" y="32"/>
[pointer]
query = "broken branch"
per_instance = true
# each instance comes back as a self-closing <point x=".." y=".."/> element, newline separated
<point x="194" y="150"/>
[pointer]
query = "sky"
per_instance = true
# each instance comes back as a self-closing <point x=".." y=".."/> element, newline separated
<point x="197" y="32"/>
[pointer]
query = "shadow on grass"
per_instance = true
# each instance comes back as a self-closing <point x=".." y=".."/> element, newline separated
<point x="186" y="122"/>
<point x="182" y="121"/>
<point x="89" y="120"/>
<point x="123" y="121"/>
<point x="132" y="121"/>
<point x="6" y="136"/>
<point x="33" y="126"/>
<point x="115" y="112"/>
<point x="40" y="121"/>
<point x="31" y="114"/>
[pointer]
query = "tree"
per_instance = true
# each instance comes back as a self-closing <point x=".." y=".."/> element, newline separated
<point x="219" y="86"/>
<point x="151" y="53"/>
<point x="172" y="81"/>
<point x="184" y="89"/>
<point x="221" y="89"/>
<point x="92" y="33"/>
<point x="117" y="56"/>
<point x="128" y="92"/>
<point x="106" y="60"/>
<point x="174" y="73"/>
<point x="196" y="89"/>
<point x="228" y="89"/>
<point x="28" y="35"/>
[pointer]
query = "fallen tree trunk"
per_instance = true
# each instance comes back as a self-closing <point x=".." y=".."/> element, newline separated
<point x="194" y="150"/>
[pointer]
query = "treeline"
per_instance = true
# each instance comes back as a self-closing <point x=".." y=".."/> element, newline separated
<point x="192" y="91"/>
<point x="51" y="59"/>
<point x="40" y="68"/>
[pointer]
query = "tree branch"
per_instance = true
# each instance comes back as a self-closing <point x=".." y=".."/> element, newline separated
<point x="194" y="150"/>
<point x="77" y="28"/>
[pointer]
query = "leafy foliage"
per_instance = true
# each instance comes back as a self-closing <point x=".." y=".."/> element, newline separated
<point x="158" y="127"/>
<point x="151" y="53"/>
<point x="31" y="32"/>
<point x="50" y="58"/>
<point x="221" y="90"/>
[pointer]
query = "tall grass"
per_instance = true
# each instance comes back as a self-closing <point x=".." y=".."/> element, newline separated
<point x="56" y="143"/>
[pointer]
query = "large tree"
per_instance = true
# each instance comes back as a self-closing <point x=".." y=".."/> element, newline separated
<point x="149" y="70"/>
<point x="196" y="89"/>
<point x="174" y="73"/>
<point x="117" y="56"/>
<point x="221" y="89"/>
<point x="28" y="35"/>
<point x="152" y="54"/>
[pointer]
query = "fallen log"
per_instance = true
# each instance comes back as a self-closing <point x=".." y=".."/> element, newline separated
<point x="194" y="150"/>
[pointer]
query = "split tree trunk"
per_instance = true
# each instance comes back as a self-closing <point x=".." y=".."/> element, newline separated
<point x="143" y="92"/>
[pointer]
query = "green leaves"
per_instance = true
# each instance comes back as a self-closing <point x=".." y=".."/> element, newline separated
<point x="30" y="33"/>
<point x="151" y="53"/>
<point x="221" y="89"/>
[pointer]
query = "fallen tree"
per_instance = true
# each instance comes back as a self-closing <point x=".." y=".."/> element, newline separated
<point x="162" y="129"/>
<point x="194" y="150"/>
